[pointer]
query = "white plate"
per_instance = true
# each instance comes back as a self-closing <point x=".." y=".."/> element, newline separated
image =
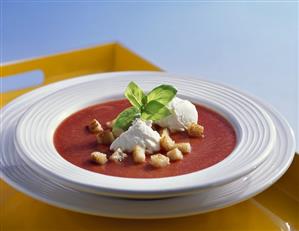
<point x="21" y="176"/>
<point x="35" y="130"/>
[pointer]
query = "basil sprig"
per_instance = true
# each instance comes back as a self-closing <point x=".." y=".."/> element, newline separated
<point x="152" y="106"/>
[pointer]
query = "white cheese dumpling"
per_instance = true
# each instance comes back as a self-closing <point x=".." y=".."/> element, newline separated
<point x="140" y="133"/>
<point x="183" y="112"/>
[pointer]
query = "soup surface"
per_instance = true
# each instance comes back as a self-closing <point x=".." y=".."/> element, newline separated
<point x="74" y="143"/>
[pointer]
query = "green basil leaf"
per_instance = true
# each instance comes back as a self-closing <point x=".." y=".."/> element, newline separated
<point x="162" y="94"/>
<point x="144" y="100"/>
<point x="153" y="107"/>
<point x="126" y="117"/>
<point x="155" y="111"/>
<point x="134" y="94"/>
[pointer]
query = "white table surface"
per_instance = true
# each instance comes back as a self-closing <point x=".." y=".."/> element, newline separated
<point x="250" y="45"/>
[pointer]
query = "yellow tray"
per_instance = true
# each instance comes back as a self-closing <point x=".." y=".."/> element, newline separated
<point x="275" y="209"/>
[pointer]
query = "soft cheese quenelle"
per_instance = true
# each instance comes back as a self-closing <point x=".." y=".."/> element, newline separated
<point x="183" y="112"/>
<point x="140" y="133"/>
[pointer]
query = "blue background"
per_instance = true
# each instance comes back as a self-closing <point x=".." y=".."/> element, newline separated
<point x="250" y="45"/>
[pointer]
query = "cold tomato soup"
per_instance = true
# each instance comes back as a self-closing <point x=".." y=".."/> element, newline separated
<point x="75" y="143"/>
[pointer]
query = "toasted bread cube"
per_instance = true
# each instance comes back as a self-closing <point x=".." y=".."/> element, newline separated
<point x="183" y="147"/>
<point x="110" y="124"/>
<point x="95" y="127"/>
<point x="138" y="154"/>
<point x="195" y="130"/>
<point x="99" y="157"/>
<point x="167" y="143"/>
<point x="107" y="137"/>
<point x="117" y="132"/>
<point x="175" y="154"/>
<point x="118" y="156"/>
<point x="164" y="132"/>
<point x="159" y="161"/>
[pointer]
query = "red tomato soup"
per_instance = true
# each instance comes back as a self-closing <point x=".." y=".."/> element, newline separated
<point x="75" y="143"/>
